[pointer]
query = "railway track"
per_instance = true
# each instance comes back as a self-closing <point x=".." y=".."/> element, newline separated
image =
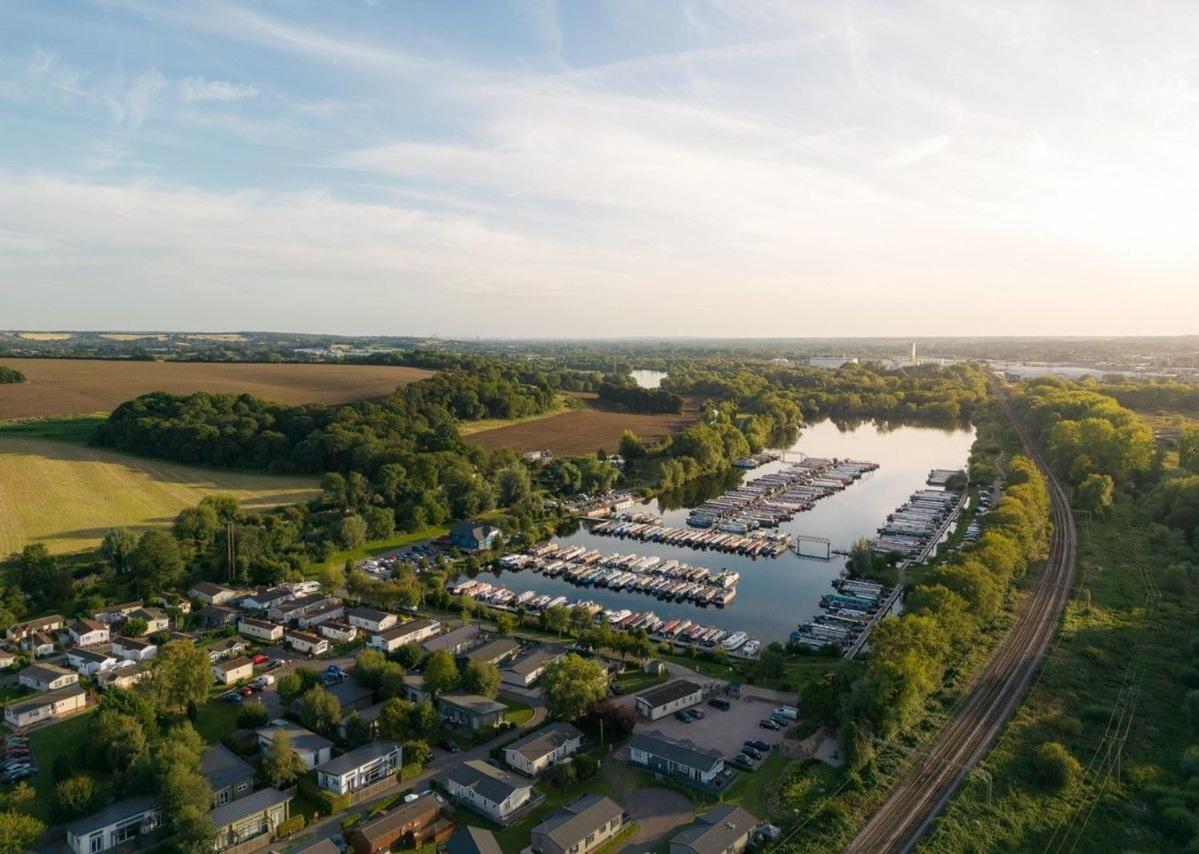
<point x="943" y="763"/>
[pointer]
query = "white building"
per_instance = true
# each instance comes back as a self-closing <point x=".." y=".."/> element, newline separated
<point x="47" y="677"/>
<point x="371" y="619"/>
<point x="89" y="662"/>
<point x="487" y="790"/>
<point x="413" y="631"/>
<point x="116" y="825"/>
<point x="359" y="767"/>
<point x="132" y="649"/>
<point x="263" y="630"/>
<point x="307" y="642"/>
<point x="539" y="751"/>
<point x="233" y="671"/>
<point x="88" y="632"/>
<point x="41" y="707"/>
<point x="313" y="749"/>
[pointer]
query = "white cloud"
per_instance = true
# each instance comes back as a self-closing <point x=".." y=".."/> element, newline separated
<point x="196" y="88"/>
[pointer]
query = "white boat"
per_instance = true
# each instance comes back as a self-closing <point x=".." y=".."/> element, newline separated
<point x="752" y="647"/>
<point x="734" y="640"/>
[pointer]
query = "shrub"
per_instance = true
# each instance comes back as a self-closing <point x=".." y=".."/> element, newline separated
<point x="293" y="825"/>
<point x="327" y="802"/>
<point x="1192" y="702"/>
<point x="1054" y="765"/>
<point x="252" y="715"/>
<point x="1176" y="822"/>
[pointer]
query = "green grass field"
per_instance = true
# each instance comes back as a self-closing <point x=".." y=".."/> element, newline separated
<point x="66" y="495"/>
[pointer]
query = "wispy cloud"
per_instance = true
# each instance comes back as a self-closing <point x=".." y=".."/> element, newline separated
<point x="196" y="88"/>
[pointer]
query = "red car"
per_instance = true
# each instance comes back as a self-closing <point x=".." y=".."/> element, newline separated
<point x="247" y="691"/>
<point x="260" y="659"/>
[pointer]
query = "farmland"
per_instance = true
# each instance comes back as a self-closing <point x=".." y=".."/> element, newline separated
<point x="67" y="495"/>
<point x="59" y="387"/>
<point x="581" y="431"/>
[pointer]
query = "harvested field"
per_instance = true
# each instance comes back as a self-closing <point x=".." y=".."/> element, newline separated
<point x="82" y="386"/>
<point x="581" y="431"/>
<point x="66" y="496"/>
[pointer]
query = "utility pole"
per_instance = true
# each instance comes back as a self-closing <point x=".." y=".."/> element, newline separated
<point x="230" y="549"/>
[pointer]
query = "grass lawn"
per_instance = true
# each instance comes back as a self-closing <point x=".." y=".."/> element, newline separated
<point x="749" y="791"/>
<point x="216" y="719"/>
<point x="78" y="429"/>
<point x="633" y="681"/>
<point x="518" y="712"/>
<point x="49" y="743"/>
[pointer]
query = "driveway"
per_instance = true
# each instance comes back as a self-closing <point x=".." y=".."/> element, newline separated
<point x="658" y="812"/>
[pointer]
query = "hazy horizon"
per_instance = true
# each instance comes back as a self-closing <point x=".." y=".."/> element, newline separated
<point x="557" y="171"/>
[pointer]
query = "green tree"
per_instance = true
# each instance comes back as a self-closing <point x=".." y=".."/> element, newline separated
<point x="156" y="562"/>
<point x="19" y="832"/>
<point x="331" y="577"/>
<point x="197" y="527"/>
<point x="1096" y="492"/>
<point x="289" y="686"/>
<point x="396" y="720"/>
<point x="441" y="673"/>
<point x="409" y="655"/>
<point x="515" y="485"/>
<point x="182" y="675"/>
<point x="252" y="715"/>
<point x="426" y="719"/>
<point x="351" y="532"/>
<point x="333" y="491"/>
<point x="555" y="619"/>
<point x="504" y="623"/>
<point x="75" y="797"/>
<point x="482" y="678"/>
<point x="358" y="731"/>
<point x="226" y="507"/>
<point x="380" y="523"/>
<point x="116" y="740"/>
<point x="861" y="558"/>
<point x="117" y="549"/>
<point x="1188" y="449"/>
<point x="571" y="684"/>
<point x="630" y="446"/>
<point x="186" y="801"/>
<point x="319" y="710"/>
<point x="134" y="627"/>
<point x="281" y="765"/>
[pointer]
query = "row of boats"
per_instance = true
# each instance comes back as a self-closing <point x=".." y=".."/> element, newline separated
<point x="635" y="527"/>
<point x="753" y="461"/>
<point x="679" y="631"/>
<point x="655" y="576"/>
<point x="910" y="529"/>
<point x="847" y="613"/>
<point x="773" y="498"/>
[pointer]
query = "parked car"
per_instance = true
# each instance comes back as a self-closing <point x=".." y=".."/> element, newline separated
<point x="449" y="745"/>
<point x="720" y="703"/>
<point x="695" y="714"/>
<point x="742" y="759"/>
<point x="758" y="744"/>
<point x="768" y="723"/>
<point x="752" y="754"/>
<point x="246" y="691"/>
<point x="682" y="715"/>
<point x="231" y="697"/>
<point x="261" y="659"/>
<point x="275" y="664"/>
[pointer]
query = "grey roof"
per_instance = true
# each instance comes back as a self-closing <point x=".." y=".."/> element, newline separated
<point x="131" y="643"/>
<point x="682" y="752"/>
<point x="473" y="840"/>
<point x="473" y="702"/>
<point x="407" y="628"/>
<point x="349" y="692"/>
<point x="304" y="601"/>
<point x="222" y="767"/>
<point x="539" y="657"/>
<point x="275" y="594"/>
<point x="716" y="830"/>
<point x="251" y="804"/>
<point x="301" y="739"/>
<point x="325" y="846"/>
<point x="399" y="817"/>
<point x="462" y="634"/>
<point x="91" y="655"/>
<point x="546" y="740"/>
<point x="233" y="664"/>
<point x="574" y="822"/>
<point x="46" y="672"/>
<point x="358" y="757"/>
<point x="111" y="814"/>
<point x="478" y="530"/>
<point x="208" y="588"/>
<point x="492" y="650"/>
<point x="35" y="701"/>
<point x="490" y="782"/>
<point x="668" y="693"/>
<point x="372" y="614"/>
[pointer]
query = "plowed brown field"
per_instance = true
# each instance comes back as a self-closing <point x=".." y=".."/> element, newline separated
<point x="59" y="387"/>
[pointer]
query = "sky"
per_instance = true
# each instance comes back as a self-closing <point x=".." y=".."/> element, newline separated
<point x="588" y="169"/>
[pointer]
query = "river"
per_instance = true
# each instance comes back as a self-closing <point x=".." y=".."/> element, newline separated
<point x="775" y="594"/>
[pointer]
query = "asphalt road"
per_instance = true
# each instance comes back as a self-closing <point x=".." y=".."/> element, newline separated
<point x="944" y="762"/>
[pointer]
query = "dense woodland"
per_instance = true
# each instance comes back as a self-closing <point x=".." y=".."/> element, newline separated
<point x="634" y="398"/>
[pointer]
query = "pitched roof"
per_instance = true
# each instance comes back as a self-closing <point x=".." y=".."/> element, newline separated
<point x="475" y="703"/>
<point x="91" y="655"/>
<point x="546" y="740"/>
<point x="476" y="529"/>
<point x="398" y="817"/>
<point x="243" y="808"/>
<point x="407" y="628"/>
<point x="460" y="635"/>
<point x="111" y="814"/>
<point x="717" y="829"/>
<point x="301" y="739"/>
<point x="473" y="840"/>
<point x="262" y="624"/>
<point x="82" y="626"/>
<point x="131" y="643"/>
<point x="490" y="782"/>
<point x="530" y="662"/>
<point x="492" y="650"/>
<point x="372" y="614"/>
<point x="36" y="701"/>
<point x="358" y="757"/>
<point x="682" y="752"/>
<point x="233" y="664"/>
<point x="46" y="672"/>
<point x="222" y="767"/>
<point x="304" y="601"/>
<point x="275" y="594"/>
<point x="208" y="588"/>
<point x="668" y="693"/>
<point x="575" y="822"/>
<point x="325" y="846"/>
<point x="349" y="692"/>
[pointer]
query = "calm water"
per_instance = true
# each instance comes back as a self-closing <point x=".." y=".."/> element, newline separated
<point x="776" y="594"/>
<point x="648" y="379"/>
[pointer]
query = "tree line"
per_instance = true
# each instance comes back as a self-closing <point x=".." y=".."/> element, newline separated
<point x="634" y="398"/>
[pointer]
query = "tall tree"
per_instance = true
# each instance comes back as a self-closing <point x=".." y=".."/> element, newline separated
<point x="482" y="678"/>
<point x="441" y="673"/>
<point x="156" y="561"/>
<point x="319" y="710"/>
<point x="571" y="684"/>
<point x="117" y="548"/>
<point x="182" y="675"/>
<point x="281" y="765"/>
